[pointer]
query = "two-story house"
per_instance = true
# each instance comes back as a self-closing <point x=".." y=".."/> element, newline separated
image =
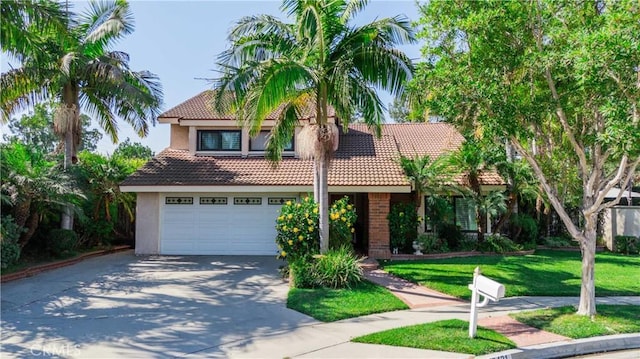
<point x="213" y="192"/>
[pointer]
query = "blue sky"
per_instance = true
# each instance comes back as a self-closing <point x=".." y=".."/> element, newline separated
<point x="180" y="40"/>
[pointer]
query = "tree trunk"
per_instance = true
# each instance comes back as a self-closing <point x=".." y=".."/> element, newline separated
<point x="323" y="202"/>
<point x="587" y="304"/>
<point x="70" y="126"/>
<point x="30" y="226"/>
<point x="316" y="182"/>
<point x="512" y="207"/>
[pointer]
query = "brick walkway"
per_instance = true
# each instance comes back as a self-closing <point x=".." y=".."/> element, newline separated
<point x="417" y="296"/>
<point x="521" y="334"/>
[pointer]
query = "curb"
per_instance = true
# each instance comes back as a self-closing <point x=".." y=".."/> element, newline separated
<point x="31" y="271"/>
<point x="573" y="348"/>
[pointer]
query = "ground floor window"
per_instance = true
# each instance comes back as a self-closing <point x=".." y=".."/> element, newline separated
<point x="465" y="213"/>
<point x="460" y="211"/>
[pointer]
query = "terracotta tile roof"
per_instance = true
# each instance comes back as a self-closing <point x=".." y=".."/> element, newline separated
<point x="433" y="139"/>
<point x="200" y="107"/>
<point x="361" y="160"/>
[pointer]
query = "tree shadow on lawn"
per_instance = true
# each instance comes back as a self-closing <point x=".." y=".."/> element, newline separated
<point x="154" y="307"/>
<point x="544" y="274"/>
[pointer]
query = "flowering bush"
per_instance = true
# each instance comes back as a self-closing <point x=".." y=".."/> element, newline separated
<point x="298" y="234"/>
<point x="403" y="225"/>
<point x="342" y="217"/>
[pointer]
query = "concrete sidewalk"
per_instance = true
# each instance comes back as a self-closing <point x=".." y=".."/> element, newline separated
<point x="417" y="296"/>
<point x="333" y="340"/>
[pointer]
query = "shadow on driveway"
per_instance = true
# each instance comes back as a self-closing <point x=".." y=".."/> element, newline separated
<point x="155" y="307"/>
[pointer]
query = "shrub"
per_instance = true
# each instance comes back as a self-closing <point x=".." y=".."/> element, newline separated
<point x="432" y="244"/>
<point x="498" y="244"/>
<point x="451" y="234"/>
<point x="62" y="242"/>
<point x="627" y="244"/>
<point x="342" y="217"/>
<point x="94" y="232"/>
<point x="557" y="242"/>
<point x="338" y="268"/>
<point x="302" y="273"/>
<point x="9" y="247"/>
<point x="403" y="225"/>
<point x="525" y="229"/>
<point x="297" y="230"/>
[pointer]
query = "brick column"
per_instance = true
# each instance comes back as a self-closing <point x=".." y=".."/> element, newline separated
<point x="379" y="225"/>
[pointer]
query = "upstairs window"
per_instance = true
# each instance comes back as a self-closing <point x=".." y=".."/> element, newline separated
<point x="259" y="143"/>
<point x="219" y="140"/>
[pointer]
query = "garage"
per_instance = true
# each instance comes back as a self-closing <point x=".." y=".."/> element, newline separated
<point x="222" y="224"/>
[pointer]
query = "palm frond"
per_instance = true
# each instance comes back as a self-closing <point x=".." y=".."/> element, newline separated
<point x="352" y="9"/>
<point x="25" y="21"/>
<point x="106" y="21"/>
<point x="22" y="88"/>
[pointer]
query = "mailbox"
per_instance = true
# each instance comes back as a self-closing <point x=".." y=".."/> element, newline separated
<point x="489" y="288"/>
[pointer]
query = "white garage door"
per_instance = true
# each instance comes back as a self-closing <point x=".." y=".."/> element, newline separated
<point x="228" y="224"/>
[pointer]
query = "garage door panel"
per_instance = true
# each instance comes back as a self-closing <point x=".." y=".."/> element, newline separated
<point x="220" y="229"/>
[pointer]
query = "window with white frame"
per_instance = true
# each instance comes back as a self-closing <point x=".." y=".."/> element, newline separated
<point x="259" y="142"/>
<point x="465" y="213"/>
<point x="219" y="140"/>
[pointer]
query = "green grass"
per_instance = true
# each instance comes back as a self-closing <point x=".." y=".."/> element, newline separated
<point x="545" y="273"/>
<point x="446" y="335"/>
<point x="329" y="305"/>
<point x="611" y="319"/>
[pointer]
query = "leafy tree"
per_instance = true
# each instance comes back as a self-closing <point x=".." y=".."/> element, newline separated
<point x="565" y="74"/>
<point x="36" y="129"/>
<point x="319" y="62"/>
<point x="77" y="67"/>
<point x="400" y="110"/>
<point x="127" y="149"/>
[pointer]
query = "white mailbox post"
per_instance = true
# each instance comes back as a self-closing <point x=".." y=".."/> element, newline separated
<point x="487" y="288"/>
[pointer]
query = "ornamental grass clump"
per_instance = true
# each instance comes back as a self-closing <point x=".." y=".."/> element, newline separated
<point x="338" y="268"/>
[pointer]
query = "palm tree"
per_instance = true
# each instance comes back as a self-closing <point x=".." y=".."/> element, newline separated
<point x="429" y="178"/>
<point x="82" y="72"/>
<point x="319" y="60"/>
<point x="469" y="160"/>
<point x="33" y="185"/>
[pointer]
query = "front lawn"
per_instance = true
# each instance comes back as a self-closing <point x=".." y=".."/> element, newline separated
<point x="446" y="335"/>
<point x="611" y="319"/>
<point x="545" y="273"/>
<point x="329" y="305"/>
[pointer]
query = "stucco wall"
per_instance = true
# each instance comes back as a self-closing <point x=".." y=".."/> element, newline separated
<point x="621" y="221"/>
<point x="179" y="137"/>
<point x="148" y="223"/>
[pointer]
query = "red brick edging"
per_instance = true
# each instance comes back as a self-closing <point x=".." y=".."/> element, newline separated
<point x="31" y="271"/>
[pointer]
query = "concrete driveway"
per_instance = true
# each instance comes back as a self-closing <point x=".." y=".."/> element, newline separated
<point x="149" y="307"/>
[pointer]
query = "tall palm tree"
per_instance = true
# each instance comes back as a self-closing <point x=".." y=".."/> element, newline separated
<point x="320" y="59"/>
<point x="81" y="72"/>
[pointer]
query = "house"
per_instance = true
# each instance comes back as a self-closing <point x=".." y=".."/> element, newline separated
<point x="213" y="192"/>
